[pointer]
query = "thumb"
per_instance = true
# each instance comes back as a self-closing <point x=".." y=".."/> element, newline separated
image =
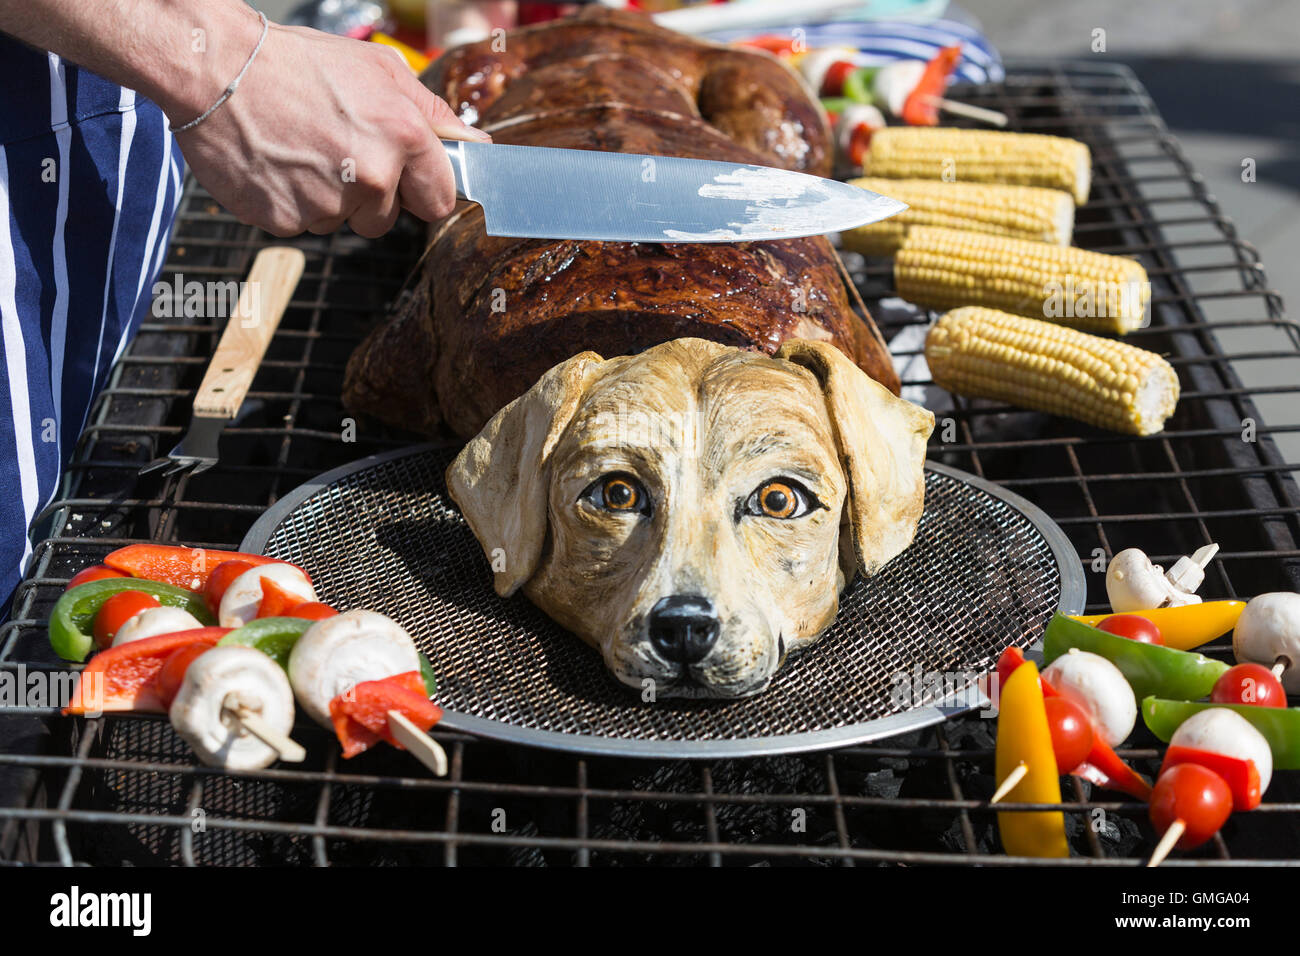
<point x="444" y="123"/>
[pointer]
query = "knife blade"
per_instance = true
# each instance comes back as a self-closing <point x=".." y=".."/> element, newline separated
<point x="546" y="193"/>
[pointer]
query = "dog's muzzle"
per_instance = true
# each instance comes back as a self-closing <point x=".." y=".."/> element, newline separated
<point x="683" y="628"/>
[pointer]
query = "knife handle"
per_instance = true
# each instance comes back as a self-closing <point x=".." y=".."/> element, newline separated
<point x="456" y="153"/>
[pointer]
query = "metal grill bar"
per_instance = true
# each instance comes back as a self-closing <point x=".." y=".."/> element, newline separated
<point x="89" y="797"/>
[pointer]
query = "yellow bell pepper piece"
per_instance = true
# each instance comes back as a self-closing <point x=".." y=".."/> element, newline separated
<point x="416" y="60"/>
<point x="1189" y="626"/>
<point x="1023" y="737"/>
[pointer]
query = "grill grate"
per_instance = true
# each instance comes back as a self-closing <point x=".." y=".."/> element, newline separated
<point x="384" y="535"/>
<point x="125" y="789"/>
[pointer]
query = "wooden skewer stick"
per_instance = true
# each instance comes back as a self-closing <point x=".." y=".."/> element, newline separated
<point x="1009" y="784"/>
<point x="423" y="747"/>
<point x="1280" y="665"/>
<point x="992" y="117"/>
<point x="286" y="749"/>
<point x="1172" y="836"/>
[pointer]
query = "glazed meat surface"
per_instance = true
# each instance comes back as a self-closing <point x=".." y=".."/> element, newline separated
<point x="487" y="316"/>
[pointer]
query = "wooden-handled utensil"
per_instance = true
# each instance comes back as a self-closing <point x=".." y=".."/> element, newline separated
<point x="262" y="300"/>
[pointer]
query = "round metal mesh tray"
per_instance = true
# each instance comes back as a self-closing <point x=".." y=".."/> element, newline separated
<point x="987" y="568"/>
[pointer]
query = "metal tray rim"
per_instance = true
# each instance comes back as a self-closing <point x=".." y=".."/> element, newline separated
<point x="1072" y="598"/>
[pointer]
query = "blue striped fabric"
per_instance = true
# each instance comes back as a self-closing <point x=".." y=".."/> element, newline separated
<point x="90" y="180"/>
<point x="881" y="41"/>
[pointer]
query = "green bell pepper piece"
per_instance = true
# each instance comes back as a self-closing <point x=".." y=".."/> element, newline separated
<point x="74" y="613"/>
<point x="1151" y="670"/>
<point x="426" y="671"/>
<point x="835" y="104"/>
<point x="273" y="636"/>
<point x="858" y="85"/>
<point x="1279" y="725"/>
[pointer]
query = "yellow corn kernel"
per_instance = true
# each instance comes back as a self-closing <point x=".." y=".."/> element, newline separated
<point x="983" y="353"/>
<point x="980" y="156"/>
<point x="1019" y="212"/>
<point x="947" y="268"/>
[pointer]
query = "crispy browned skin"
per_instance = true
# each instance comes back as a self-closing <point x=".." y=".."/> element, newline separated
<point x="488" y="316"/>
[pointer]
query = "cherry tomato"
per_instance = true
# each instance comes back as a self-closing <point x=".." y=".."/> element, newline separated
<point x="95" y="572"/>
<point x="172" y="674"/>
<point x="1072" y="733"/>
<point x="1194" y="794"/>
<point x="1249" y="684"/>
<point x="313" y="611"/>
<point x="1010" y="659"/>
<point x="220" y="579"/>
<point x="116" y="611"/>
<point x="1132" y="626"/>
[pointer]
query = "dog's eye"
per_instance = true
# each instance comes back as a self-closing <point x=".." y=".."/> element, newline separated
<point x="618" y="493"/>
<point x="781" y="498"/>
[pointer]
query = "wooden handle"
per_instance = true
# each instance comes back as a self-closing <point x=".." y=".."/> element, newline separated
<point x="263" y="297"/>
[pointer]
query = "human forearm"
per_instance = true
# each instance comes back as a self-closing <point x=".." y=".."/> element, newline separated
<point x="179" y="53"/>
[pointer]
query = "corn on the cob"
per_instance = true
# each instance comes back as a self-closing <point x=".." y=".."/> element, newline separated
<point x="983" y="353"/>
<point x="1020" y="212"/>
<point x="980" y="156"/>
<point x="946" y="268"/>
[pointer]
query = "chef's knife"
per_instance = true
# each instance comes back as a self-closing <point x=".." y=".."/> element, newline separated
<point x="546" y="193"/>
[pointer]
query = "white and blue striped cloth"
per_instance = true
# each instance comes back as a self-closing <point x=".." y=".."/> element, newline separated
<point x="90" y="179"/>
<point x="882" y="41"/>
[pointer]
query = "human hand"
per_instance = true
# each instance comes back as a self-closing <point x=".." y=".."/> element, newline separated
<point x="323" y="130"/>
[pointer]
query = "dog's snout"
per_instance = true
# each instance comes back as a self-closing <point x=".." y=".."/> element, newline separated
<point x="684" y="628"/>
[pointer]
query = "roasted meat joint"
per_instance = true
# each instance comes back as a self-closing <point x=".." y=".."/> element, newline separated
<point x="776" y="452"/>
<point x="710" y="433"/>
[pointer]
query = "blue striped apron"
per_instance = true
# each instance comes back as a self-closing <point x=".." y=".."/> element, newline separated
<point x="90" y="180"/>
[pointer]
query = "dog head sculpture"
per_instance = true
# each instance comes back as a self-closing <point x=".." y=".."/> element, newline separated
<point x="694" y="511"/>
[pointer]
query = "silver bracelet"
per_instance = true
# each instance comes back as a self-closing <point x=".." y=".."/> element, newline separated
<point x="234" y="84"/>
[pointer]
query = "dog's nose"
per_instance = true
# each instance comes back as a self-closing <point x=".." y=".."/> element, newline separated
<point x="684" y="628"/>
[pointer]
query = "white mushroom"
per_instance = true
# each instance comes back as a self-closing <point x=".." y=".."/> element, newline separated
<point x="240" y="602"/>
<point x="1226" y="732"/>
<point x="1133" y="583"/>
<point x="339" y="652"/>
<point x="1269" y="629"/>
<point x="894" y="83"/>
<point x="855" y="115"/>
<point x="153" y="621"/>
<point x="218" y="685"/>
<point x="815" y="65"/>
<point x="1099" y="687"/>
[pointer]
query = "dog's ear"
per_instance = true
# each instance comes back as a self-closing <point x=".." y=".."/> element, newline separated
<point x="881" y="442"/>
<point x="500" y="479"/>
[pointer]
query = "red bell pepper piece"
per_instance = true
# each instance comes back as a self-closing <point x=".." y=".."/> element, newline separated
<point x="1105" y="769"/>
<point x="312" y="611"/>
<point x="360" y="716"/>
<point x="919" y="108"/>
<point x="1241" y="776"/>
<point x="124" y="677"/>
<point x="171" y="564"/>
<point x="96" y="572"/>
<point x="276" y="601"/>
<point x="1103" y="766"/>
<point x="777" y="43"/>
